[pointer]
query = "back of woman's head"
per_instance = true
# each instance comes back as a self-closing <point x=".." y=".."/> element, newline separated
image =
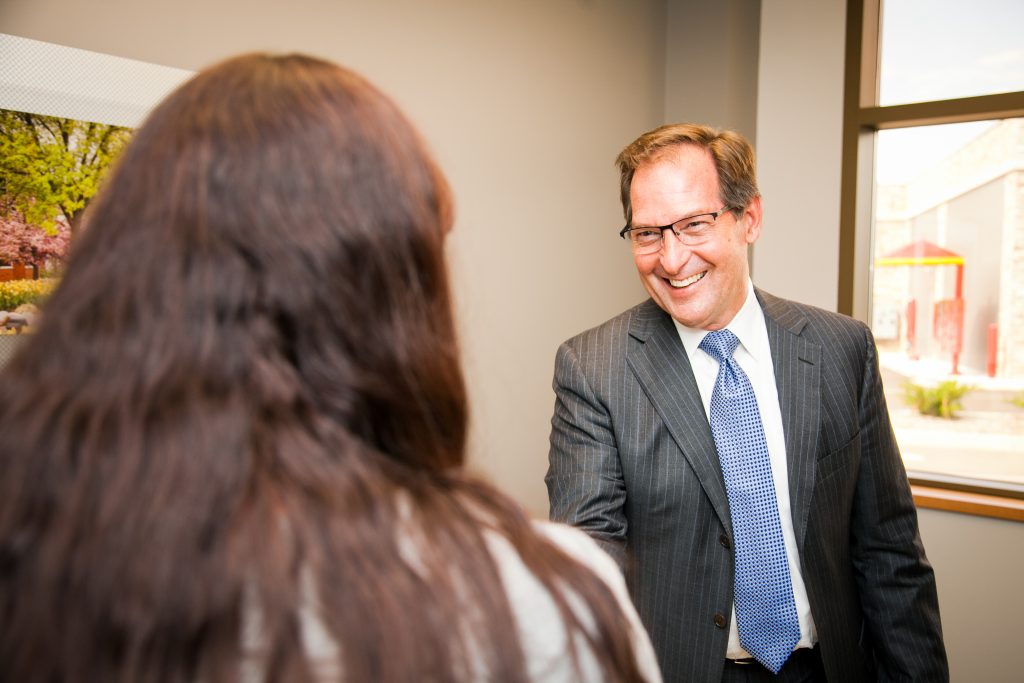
<point x="258" y="293"/>
<point x="244" y="403"/>
<point x="279" y="214"/>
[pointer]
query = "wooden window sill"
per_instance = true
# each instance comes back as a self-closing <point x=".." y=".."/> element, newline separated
<point x="968" y="503"/>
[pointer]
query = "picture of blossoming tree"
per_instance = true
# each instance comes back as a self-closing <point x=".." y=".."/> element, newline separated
<point x="50" y="168"/>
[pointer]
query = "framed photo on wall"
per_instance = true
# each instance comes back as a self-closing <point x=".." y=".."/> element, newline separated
<point x="65" y="116"/>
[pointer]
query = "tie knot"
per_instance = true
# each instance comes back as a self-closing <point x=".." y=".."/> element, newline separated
<point x="721" y="344"/>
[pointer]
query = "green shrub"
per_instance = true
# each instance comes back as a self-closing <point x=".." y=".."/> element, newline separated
<point x="17" y="292"/>
<point x="942" y="400"/>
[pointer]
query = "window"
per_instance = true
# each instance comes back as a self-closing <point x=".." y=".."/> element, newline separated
<point x="932" y="229"/>
<point x="944" y="49"/>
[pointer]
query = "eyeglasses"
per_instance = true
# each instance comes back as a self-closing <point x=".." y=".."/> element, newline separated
<point x="691" y="231"/>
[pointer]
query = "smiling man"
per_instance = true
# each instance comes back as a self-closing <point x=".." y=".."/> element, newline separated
<point x="733" y="452"/>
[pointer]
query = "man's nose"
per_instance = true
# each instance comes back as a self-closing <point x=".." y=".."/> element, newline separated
<point x="674" y="254"/>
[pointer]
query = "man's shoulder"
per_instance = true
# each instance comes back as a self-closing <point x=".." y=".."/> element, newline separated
<point x="810" y="320"/>
<point x="617" y="328"/>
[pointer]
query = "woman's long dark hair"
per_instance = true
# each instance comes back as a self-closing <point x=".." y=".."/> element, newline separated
<point x="245" y="401"/>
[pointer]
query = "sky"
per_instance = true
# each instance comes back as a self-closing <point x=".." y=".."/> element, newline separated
<point x="942" y="49"/>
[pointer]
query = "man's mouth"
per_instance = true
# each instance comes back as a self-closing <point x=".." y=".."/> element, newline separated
<point x="679" y="284"/>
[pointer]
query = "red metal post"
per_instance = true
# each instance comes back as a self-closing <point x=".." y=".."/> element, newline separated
<point x="911" y="318"/>
<point x="993" y="337"/>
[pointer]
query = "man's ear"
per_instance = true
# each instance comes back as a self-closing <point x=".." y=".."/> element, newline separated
<point x="751" y="219"/>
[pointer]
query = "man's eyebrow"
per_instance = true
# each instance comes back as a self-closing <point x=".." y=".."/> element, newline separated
<point x="681" y="218"/>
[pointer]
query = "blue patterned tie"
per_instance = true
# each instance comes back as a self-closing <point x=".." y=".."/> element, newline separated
<point x="765" y="610"/>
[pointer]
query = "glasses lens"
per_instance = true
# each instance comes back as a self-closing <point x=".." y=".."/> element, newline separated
<point x="645" y="240"/>
<point x="695" y="230"/>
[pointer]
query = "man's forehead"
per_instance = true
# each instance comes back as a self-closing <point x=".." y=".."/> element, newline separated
<point x="682" y="175"/>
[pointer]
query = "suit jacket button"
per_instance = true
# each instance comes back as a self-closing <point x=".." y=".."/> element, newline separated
<point x="724" y="540"/>
<point x="720" y="621"/>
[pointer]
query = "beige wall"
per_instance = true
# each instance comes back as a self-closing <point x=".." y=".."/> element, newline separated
<point x="711" y="63"/>
<point x="978" y="564"/>
<point x="799" y="148"/>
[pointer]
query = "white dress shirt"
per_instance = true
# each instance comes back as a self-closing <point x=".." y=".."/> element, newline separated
<point x="754" y="355"/>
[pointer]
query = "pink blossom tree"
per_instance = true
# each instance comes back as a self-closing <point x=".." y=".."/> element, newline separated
<point x="23" y="242"/>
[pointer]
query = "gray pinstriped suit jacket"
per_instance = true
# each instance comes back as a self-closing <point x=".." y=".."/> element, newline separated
<point x="633" y="463"/>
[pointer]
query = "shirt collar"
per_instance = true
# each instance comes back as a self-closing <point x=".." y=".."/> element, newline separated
<point x="745" y="325"/>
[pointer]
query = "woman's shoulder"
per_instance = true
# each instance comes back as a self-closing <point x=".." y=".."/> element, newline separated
<point x="541" y="628"/>
<point x="580" y="547"/>
<point x="569" y="540"/>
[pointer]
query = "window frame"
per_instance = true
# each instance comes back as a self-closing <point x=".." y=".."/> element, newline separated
<point x="862" y="118"/>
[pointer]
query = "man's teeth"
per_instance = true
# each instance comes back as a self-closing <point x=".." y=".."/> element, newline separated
<point x="688" y="281"/>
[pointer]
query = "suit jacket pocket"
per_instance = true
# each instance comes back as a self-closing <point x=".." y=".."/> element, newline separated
<point x="835" y="483"/>
<point x="845" y="458"/>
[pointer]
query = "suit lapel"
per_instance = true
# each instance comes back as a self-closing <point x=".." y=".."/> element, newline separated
<point x="797" y="364"/>
<point x="659" y="362"/>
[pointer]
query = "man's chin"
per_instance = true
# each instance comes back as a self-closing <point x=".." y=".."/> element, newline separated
<point x="687" y="316"/>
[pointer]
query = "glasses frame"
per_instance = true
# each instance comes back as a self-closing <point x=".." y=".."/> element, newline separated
<point x="671" y="226"/>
